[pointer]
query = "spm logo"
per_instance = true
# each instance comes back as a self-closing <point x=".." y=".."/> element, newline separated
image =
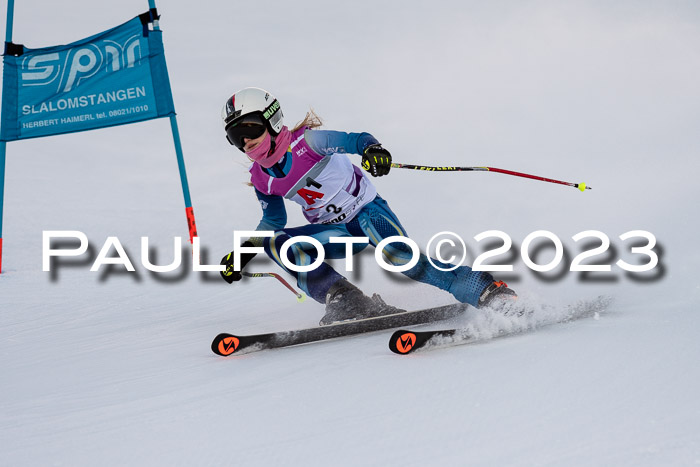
<point x="112" y="78"/>
<point x="67" y="69"/>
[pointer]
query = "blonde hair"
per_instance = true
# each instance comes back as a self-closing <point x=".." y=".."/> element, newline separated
<point x="312" y="121"/>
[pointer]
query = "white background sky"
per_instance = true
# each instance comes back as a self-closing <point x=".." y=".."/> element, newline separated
<point x="599" y="92"/>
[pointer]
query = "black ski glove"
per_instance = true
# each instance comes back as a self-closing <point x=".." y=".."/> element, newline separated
<point x="229" y="275"/>
<point x="376" y="160"/>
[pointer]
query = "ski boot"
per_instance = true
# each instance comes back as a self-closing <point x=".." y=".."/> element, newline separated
<point x="497" y="296"/>
<point x="346" y="302"/>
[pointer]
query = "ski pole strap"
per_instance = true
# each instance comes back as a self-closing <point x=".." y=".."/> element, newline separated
<point x="580" y="186"/>
<point x="301" y="296"/>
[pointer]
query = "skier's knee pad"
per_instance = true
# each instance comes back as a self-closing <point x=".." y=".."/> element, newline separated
<point x="298" y="253"/>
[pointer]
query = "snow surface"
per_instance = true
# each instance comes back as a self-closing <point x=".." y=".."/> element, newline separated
<point x="115" y="368"/>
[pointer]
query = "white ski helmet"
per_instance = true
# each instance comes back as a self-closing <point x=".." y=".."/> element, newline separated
<point x="250" y="103"/>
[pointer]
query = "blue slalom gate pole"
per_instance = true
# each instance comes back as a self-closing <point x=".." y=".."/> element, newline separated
<point x="3" y="149"/>
<point x="3" y="144"/>
<point x="189" y="211"/>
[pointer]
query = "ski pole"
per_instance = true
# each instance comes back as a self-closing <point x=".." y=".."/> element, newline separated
<point x="580" y="186"/>
<point x="301" y="296"/>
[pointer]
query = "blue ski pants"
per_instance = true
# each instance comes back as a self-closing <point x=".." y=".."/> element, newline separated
<point x="375" y="221"/>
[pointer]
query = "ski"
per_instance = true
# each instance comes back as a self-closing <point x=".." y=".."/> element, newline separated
<point x="228" y="344"/>
<point x="406" y="341"/>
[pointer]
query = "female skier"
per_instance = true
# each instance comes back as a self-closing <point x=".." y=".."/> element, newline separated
<point x="309" y="166"/>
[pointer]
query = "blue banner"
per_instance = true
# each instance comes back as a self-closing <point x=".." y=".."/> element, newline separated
<point x="116" y="77"/>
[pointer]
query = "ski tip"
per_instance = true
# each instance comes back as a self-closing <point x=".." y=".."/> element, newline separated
<point x="402" y="342"/>
<point x="225" y="344"/>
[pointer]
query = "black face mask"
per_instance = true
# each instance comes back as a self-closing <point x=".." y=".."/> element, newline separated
<point x="250" y="127"/>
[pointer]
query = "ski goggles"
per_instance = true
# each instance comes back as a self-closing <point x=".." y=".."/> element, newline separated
<point x="248" y="127"/>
